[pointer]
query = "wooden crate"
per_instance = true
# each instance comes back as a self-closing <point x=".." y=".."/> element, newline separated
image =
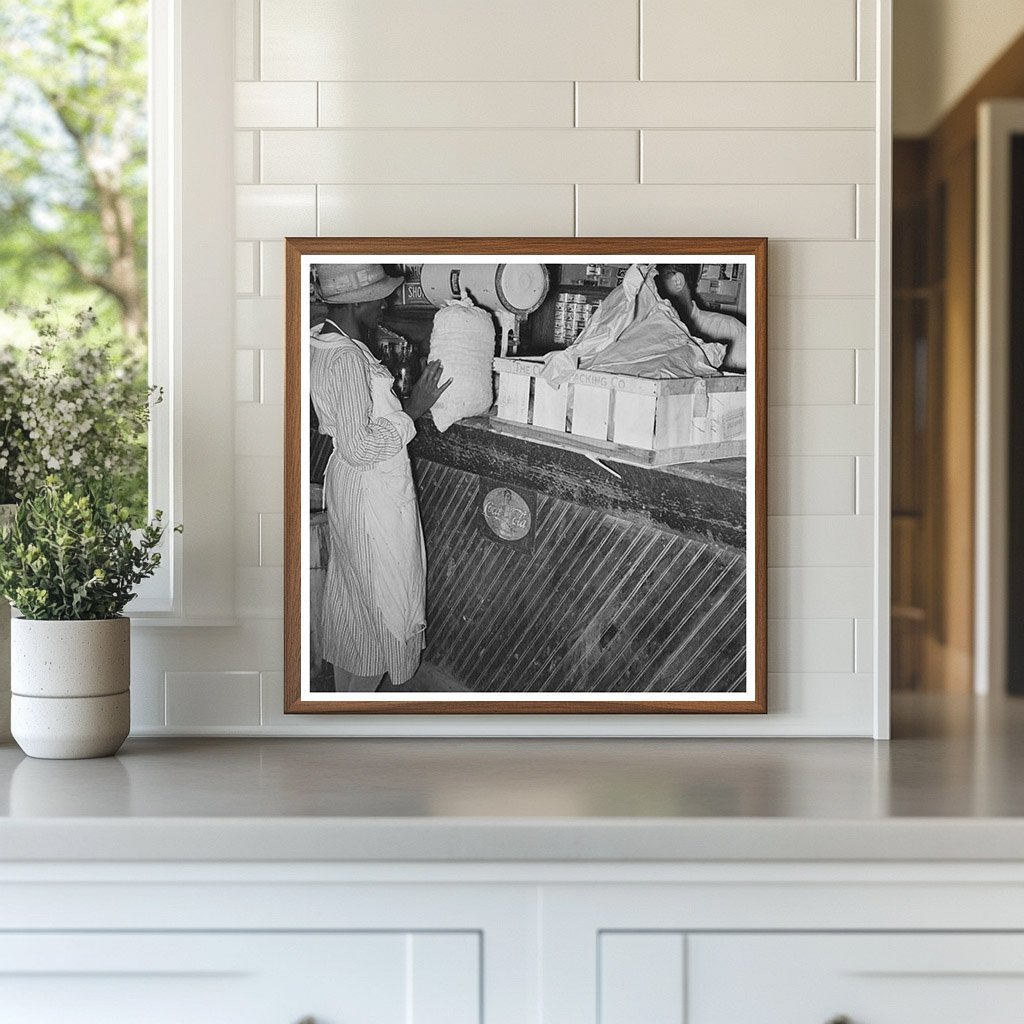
<point x="641" y="420"/>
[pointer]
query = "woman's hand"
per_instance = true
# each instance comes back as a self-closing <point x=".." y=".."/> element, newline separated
<point x="426" y="391"/>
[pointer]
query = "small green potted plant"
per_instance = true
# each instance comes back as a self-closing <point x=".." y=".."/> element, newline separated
<point x="75" y="403"/>
<point x="69" y="563"/>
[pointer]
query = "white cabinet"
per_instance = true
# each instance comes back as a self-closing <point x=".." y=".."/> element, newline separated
<point x="241" y="978"/>
<point x="511" y="943"/>
<point x="262" y="944"/>
<point x="678" y="978"/>
<point x="869" y="979"/>
<point x="786" y="944"/>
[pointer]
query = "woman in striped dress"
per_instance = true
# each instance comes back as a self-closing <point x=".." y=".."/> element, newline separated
<point x="374" y="596"/>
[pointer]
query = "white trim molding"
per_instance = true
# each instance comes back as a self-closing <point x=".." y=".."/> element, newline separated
<point x="998" y="122"/>
<point x="883" y="368"/>
<point x="191" y="304"/>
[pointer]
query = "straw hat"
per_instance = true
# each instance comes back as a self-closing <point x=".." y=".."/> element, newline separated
<point x="354" y="282"/>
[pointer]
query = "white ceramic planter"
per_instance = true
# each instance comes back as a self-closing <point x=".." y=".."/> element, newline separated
<point x="81" y="658"/>
<point x="67" y="727"/>
<point x="69" y="683"/>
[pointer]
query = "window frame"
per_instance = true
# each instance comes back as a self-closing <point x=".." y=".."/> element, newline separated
<point x="191" y="331"/>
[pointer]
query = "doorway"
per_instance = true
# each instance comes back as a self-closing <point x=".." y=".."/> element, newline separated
<point x="951" y="588"/>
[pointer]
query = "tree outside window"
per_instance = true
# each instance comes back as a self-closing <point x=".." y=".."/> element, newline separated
<point x="73" y="176"/>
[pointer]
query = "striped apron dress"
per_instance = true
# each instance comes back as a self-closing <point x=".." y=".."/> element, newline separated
<point x="375" y="593"/>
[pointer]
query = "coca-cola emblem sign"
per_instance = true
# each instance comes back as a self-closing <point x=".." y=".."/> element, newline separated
<point x="507" y="514"/>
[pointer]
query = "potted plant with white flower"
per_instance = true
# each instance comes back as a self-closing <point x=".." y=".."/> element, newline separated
<point x="76" y="408"/>
<point x="69" y="563"/>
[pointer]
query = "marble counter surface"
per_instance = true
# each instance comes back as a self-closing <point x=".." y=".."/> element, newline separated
<point x="948" y="787"/>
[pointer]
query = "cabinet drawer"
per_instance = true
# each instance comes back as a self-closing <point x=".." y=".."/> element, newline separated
<point x="242" y="978"/>
<point x="867" y="978"/>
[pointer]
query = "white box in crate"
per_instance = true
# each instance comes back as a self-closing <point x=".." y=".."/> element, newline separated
<point x="643" y="420"/>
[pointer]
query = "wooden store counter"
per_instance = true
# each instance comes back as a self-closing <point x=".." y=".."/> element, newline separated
<point x="550" y="570"/>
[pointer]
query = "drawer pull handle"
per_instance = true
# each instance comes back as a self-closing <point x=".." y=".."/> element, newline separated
<point x="841" y="1019"/>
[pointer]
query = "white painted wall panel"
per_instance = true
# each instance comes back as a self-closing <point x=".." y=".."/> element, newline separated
<point x="827" y="592"/>
<point x="756" y="157"/>
<point x="812" y="377"/>
<point x="830" y="703"/>
<point x="260" y="591"/>
<point x="272" y="686"/>
<point x="447" y="105"/>
<point x="446" y="209"/>
<point x="258" y="484"/>
<point x="821" y="430"/>
<point x="472" y="157"/>
<point x="244" y="646"/>
<point x="259" y="430"/>
<point x="812" y="323"/>
<point x="275" y="105"/>
<point x="246" y="171"/>
<point x="774" y="211"/>
<point x="271" y="390"/>
<point x="726" y="105"/>
<point x="866" y="211"/>
<point x="865" y="376"/>
<point x="820" y="540"/>
<point x="750" y="40"/>
<point x="246" y="45"/>
<point x="271" y="539"/>
<point x="456" y="40"/>
<point x="207" y="699"/>
<point x="247" y="539"/>
<point x="271" y="269"/>
<point x="811" y="645"/>
<point x="272" y="211"/>
<point x="247" y="362"/>
<point x="245" y="268"/>
<point x="822" y="268"/>
<point x="865" y="485"/>
<point x="864" y="645"/>
<point x="811" y="486"/>
<point x="438" y="131"/>
<point x="148" y="706"/>
<point x="259" y="323"/>
<point x="867" y="26"/>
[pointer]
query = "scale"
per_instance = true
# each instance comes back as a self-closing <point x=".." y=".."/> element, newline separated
<point x="511" y="291"/>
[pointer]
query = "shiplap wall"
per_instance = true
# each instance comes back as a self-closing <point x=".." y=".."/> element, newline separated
<point x="551" y="118"/>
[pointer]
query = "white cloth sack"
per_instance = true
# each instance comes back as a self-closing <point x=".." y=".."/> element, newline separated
<point x="463" y="339"/>
<point x="636" y="332"/>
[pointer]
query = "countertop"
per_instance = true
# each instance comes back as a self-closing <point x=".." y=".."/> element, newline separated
<point x="949" y="786"/>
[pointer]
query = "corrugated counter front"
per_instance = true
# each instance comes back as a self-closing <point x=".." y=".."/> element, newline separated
<point x="548" y="571"/>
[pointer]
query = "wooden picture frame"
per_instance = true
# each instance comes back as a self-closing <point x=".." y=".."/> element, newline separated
<point x="569" y="571"/>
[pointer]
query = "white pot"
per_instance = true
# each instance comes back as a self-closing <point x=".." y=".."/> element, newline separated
<point x="6" y="516"/>
<point x="69" y="683"/>
<point x="67" y="727"/>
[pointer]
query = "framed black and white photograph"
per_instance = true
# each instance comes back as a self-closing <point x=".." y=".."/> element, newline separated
<point x="525" y="475"/>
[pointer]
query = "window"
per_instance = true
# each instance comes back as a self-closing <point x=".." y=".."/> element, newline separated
<point x="74" y="223"/>
<point x="181" y="202"/>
